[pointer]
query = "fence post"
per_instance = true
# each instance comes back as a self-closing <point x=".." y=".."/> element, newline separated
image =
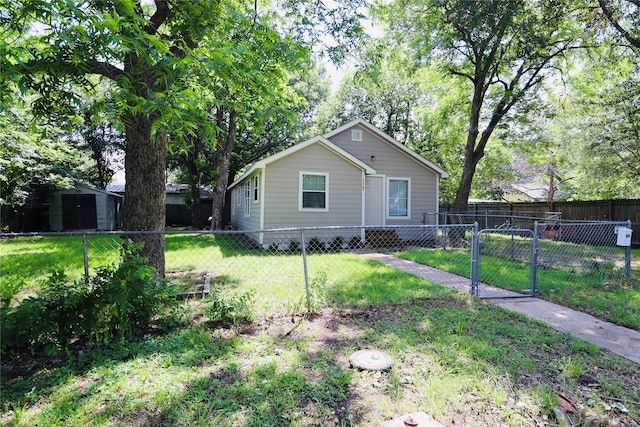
<point x="533" y="279"/>
<point x="475" y="259"/>
<point x="627" y="256"/>
<point x="306" y="272"/>
<point x="85" y="252"/>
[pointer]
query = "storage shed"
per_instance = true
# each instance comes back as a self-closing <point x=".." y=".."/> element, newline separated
<point x="84" y="208"/>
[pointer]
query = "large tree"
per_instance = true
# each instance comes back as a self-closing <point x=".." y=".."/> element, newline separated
<point x="502" y="50"/>
<point x="142" y="49"/>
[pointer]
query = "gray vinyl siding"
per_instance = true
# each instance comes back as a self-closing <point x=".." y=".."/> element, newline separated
<point x="392" y="162"/>
<point x="282" y="190"/>
<point x="238" y="219"/>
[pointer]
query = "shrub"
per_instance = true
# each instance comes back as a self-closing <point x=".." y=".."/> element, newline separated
<point x="315" y="244"/>
<point x="118" y="302"/>
<point x="294" y="246"/>
<point x="355" y="242"/>
<point x="336" y="243"/>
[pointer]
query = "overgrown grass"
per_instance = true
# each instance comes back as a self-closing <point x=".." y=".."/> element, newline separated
<point x="457" y="358"/>
<point x="460" y="359"/>
<point x="617" y="301"/>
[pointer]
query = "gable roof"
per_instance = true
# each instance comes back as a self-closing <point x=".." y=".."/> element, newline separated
<point x="80" y="188"/>
<point x="294" y="149"/>
<point x="391" y="141"/>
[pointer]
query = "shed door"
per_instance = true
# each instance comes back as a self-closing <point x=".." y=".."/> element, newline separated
<point x="79" y="212"/>
<point x="374" y="209"/>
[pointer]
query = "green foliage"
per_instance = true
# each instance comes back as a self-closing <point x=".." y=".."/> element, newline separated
<point x="317" y="293"/>
<point x="10" y="285"/>
<point x="118" y="302"/>
<point x="336" y="243"/>
<point x="315" y="245"/>
<point x="499" y="51"/>
<point x="355" y="243"/>
<point x="231" y="308"/>
<point x="294" y="246"/>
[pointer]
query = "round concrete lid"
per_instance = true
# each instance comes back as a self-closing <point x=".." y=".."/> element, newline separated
<point x="372" y="360"/>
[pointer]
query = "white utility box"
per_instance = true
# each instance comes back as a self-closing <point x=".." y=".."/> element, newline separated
<point x="624" y="236"/>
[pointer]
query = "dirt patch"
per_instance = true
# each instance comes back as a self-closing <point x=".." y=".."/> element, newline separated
<point x="375" y="394"/>
<point x="472" y="384"/>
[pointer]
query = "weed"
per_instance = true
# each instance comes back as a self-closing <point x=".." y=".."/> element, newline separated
<point x="231" y="308"/>
<point x="570" y="367"/>
<point x="317" y="293"/>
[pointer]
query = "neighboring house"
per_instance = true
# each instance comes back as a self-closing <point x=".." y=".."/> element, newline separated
<point x="84" y="208"/>
<point x="527" y="193"/>
<point x="353" y="176"/>
<point x="177" y="212"/>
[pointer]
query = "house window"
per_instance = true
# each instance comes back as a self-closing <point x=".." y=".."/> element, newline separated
<point x="356" y="135"/>
<point x="247" y="199"/>
<point x="314" y="193"/>
<point x="256" y="189"/>
<point x="398" y="198"/>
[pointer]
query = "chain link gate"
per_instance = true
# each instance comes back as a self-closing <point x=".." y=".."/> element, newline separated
<point x="500" y="256"/>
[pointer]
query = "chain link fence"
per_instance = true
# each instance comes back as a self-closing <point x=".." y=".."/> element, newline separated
<point x="285" y="270"/>
<point x="553" y="255"/>
<point x="293" y="269"/>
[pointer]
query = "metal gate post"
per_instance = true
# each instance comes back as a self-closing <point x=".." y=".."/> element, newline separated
<point x="306" y="272"/>
<point x="85" y="252"/>
<point x="475" y="259"/>
<point x="533" y="279"/>
<point x="627" y="256"/>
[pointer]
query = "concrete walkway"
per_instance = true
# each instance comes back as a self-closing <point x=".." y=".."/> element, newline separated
<point x="622" y="341"/>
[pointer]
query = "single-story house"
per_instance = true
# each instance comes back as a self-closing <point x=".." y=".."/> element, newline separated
<point x="355" y="175"/>
<point x="84" y="208"/>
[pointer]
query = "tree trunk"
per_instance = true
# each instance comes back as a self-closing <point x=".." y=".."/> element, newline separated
<point x="145" y="191"/>
<point x="224" y="150"/>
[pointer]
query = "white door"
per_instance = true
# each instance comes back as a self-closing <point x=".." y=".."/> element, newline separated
<point x="374" y="205"/>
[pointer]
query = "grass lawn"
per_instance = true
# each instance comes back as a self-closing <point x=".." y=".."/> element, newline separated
<point x="617" y="301"/>
<point x="460" y="359"/>
<point x="463" y="361"/>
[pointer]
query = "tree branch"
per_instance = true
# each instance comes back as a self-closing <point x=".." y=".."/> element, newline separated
<point x="461" y="74"/>
<point x="105" y="69"/>
<point x="158" y="18"/>
<point x="609" y="14"/>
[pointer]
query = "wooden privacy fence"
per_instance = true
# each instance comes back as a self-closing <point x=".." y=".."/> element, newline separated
<point x="595" y="210"/>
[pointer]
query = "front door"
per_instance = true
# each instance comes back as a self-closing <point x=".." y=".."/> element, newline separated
<point x="374" y="201"/>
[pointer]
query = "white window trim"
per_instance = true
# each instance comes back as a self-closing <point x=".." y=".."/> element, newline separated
<point x="387" y="193"/>
<point x="356" y="135"/>
<point x="301" y="174"/>
<point x="255" y="185"/>
<point x="246" y="197"/>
